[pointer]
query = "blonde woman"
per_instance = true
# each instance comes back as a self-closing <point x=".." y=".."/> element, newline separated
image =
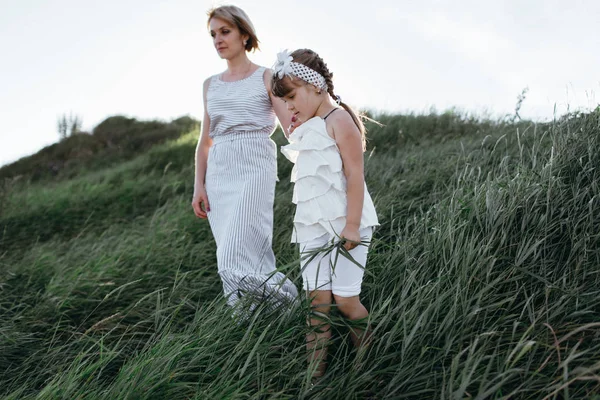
<point x="236" y="163"/>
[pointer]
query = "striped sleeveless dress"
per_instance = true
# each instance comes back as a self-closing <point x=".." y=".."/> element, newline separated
<point x="240" y="184"/>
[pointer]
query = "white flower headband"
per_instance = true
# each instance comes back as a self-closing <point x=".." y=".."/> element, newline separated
<point x="286" y="65"/>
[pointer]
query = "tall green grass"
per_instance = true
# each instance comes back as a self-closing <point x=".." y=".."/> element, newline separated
<point x="482" y="279"/>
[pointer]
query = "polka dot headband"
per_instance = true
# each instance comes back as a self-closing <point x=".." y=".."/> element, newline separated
<point x="286" y="65"/>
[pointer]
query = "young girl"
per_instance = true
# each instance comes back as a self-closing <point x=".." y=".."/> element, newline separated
<point x="332" y="201"/>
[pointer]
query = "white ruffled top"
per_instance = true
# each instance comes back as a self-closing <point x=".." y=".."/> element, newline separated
<point x="320" y="184"/>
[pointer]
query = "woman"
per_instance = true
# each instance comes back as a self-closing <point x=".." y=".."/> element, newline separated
<point x="236" y="163"/>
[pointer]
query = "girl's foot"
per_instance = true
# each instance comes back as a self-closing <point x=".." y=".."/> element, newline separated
<point x="315" y="383"/>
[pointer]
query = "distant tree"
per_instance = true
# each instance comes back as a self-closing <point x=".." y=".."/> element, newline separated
<point x="62" y="126"/>
<point x="68" y="126"/>
<point x="520" y="100"/>
<point x="75" y="123"/>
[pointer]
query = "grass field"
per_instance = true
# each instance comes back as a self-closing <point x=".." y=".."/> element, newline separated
<point x="483" y="278"/>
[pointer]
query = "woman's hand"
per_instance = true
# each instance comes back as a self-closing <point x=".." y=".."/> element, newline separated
<point x="200" y="203"/>
<point x="350" y="236"/>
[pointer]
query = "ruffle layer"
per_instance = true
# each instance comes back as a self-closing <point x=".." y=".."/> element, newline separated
<point x="311" y="163"/>
<point x="305" y="233"/>
<point x="300" y="141"/>
<point x="311" y="187"/>
<point x="326" y="207"/>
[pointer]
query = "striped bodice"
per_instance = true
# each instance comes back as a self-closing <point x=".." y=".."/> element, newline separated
<point x="240" y="106"/>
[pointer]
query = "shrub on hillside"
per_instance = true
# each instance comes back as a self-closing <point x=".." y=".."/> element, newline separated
<point x="115" y="139"/>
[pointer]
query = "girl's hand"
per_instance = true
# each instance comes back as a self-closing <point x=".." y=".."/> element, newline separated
<point x="350" y="237"/>
<point x="293" y="125"/>
<point x="200" y="203"/>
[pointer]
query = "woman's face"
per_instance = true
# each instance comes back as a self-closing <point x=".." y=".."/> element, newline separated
<point x="227" y="38"/>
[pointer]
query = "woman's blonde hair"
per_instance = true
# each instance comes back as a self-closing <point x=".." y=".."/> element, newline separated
<point x="238" y="17"/>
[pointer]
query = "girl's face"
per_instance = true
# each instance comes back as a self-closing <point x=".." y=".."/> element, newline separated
<point x="227" y="38"/>
<point x="303" y="101"/>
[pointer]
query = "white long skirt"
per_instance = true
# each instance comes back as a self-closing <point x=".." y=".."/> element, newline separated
<point x="240" y="184"/>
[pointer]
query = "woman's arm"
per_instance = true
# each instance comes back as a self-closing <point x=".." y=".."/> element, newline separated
<point x="283" y="114"/>
<point x="349" y="141"/>
<point x="200" y="199"/>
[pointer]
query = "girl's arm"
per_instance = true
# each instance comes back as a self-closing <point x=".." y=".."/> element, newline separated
<point x="200" y="200"/>
<point x="349" y="141"/>
<point x="283" y="114"/>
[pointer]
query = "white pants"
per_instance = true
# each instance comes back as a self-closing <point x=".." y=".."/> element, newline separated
<point x="331" y="270"/>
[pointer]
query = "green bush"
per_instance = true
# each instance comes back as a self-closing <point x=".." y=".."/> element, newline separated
<point x="114" y="140"/>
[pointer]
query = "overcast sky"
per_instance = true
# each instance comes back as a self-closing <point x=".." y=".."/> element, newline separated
<point x="148" y="58"/>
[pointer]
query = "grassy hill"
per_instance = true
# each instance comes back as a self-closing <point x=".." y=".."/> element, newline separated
<point x="483" y="279"/>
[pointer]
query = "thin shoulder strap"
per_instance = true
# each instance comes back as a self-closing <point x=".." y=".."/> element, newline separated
<point x="329" y="113"/>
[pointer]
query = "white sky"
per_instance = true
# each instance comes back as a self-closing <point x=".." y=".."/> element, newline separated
<point x="148" y="58"/>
